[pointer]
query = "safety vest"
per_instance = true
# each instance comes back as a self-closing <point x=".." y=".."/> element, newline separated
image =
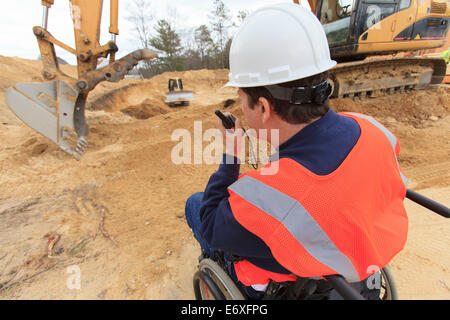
<point x="350" y="222"/>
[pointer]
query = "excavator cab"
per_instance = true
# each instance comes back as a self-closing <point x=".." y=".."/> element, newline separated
<point x="335" y="16"/>
<point x="357" y="28"/>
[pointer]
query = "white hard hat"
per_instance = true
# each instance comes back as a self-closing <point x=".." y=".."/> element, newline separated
<point x="276" y="44"/>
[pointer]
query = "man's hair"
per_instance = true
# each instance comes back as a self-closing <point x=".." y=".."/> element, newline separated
<point x="292" y="113"/>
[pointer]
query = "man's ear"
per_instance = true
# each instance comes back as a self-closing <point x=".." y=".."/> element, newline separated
<point x="266" y="109"/>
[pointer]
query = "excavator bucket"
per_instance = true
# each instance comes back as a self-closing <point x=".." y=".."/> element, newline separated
<point x="53" y="109"/>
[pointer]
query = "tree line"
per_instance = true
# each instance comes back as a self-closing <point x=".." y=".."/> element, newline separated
<point x="204" y="47"/>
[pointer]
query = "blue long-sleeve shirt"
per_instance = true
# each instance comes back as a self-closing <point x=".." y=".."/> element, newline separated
<point x="320" y="147"/>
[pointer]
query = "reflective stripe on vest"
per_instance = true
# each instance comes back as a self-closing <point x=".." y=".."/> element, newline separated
<point x="392" y="139"/>
<point x="298" y="221"/>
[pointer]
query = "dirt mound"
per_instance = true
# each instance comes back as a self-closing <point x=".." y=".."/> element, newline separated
<point x="145" y="110"/>
<point x="15" y="70"/>
<point x="414" y="108"/>
<point x="125" y="96"/>
<point x="198" y="79"/>
<point x="206" y="86"/>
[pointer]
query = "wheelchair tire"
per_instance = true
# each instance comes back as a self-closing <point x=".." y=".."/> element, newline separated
<point x="213" y="282"/>
<point x="205" y="288"/>
<point x="388" y="286"/>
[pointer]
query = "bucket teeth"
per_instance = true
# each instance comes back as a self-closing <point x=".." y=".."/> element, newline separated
<point x="81" y="148"/>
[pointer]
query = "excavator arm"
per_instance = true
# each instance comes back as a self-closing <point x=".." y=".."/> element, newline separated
<point x="56" y="108"/>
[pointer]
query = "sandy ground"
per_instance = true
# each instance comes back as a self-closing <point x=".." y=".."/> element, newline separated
<point x="118" y="214"/>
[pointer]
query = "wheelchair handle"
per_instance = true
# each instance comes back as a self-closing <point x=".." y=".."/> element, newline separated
<point x="344" y="288"/>
<point x="428" y="203"/>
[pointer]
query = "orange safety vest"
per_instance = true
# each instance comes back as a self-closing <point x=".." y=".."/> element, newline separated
<point x="350" y="222"/>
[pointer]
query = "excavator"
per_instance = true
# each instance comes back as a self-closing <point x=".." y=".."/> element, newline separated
<point x="362" y="34"/>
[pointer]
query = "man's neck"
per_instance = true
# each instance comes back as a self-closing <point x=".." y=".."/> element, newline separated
<point x="288" y="130"/>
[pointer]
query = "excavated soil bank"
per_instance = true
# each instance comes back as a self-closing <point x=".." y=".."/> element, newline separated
<point x="145" y="110"/>
<point x="414" y="108"/>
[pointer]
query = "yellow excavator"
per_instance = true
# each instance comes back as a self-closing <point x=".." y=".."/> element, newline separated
<point x="357" y="31"/>
<point x="360" y="30"/>
<point x="56" y="108"/>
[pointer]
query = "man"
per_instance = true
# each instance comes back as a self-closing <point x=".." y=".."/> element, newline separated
<point x="335" y="203"/>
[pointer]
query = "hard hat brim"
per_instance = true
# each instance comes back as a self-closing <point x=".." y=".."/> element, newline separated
<point x="293" y="77"/>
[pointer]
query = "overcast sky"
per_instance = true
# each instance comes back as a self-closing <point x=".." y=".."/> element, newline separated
<point x="17" y="17"/>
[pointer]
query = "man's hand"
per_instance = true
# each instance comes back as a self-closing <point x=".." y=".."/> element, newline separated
<point x="232" y="139"/>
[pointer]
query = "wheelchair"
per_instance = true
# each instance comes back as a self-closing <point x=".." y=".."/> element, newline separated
<point x="212" y="282"/>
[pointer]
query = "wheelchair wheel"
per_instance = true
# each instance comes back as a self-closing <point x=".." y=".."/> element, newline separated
<point x="212" y="282"/>
<point x="388" y="288"/>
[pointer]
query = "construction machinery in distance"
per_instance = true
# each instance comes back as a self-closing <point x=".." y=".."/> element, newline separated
<point x="362" y="36"/>
<point x="178" y="97"/>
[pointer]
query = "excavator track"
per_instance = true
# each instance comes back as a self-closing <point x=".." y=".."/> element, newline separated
<point x="370" y="78"/>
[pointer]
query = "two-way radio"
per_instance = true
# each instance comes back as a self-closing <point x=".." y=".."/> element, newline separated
<point x="229" y="122"/>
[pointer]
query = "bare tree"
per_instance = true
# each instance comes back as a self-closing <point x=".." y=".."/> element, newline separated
<point x="242" y="15"/>
<point x="205" y="44"/>
<point x="139" y="15"/>
<point x="220" y="20"/>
